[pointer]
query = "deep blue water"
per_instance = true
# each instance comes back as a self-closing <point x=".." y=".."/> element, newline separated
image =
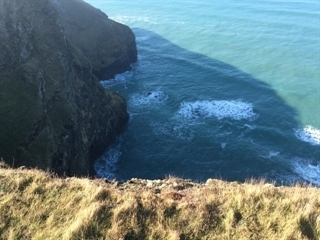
<point x="226" y="90"/>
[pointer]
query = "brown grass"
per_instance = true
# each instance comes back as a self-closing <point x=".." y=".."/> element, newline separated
<point x="37" y="205"/>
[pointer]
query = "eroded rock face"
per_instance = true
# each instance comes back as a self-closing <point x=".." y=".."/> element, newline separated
<point x="110" y="46"/>
<point x="54" y="114"/>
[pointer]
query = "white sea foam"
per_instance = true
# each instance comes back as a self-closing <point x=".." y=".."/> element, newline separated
<point x="306" y="170"/>
<point x="105" y="166"/>
<point x="234" y="109"/>
<point x="129" y="19"/>
<point x="142" y="38"/>
<point x="223" y="145"/>
<point x="250" y="127"/>
<point x="174" y="131"/>
<point x="271" y="154"/>
<point x="308" y="134"/>
<point x="118" y="79"/>
<point x="147" y="99"/>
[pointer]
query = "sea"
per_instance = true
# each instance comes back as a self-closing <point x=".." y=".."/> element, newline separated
<point x="221" y="89"/>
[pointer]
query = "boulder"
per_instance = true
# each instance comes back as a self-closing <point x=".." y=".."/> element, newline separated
<point x="54" y="114"/>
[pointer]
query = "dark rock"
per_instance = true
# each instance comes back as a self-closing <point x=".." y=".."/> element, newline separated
<point x="54" y="114"/>
<point x="157" y="191"/>
<point x="109" y="46"/>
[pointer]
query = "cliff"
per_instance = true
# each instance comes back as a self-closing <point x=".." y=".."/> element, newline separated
<point x="54" y="114"/>
<point x="37" y="205"/>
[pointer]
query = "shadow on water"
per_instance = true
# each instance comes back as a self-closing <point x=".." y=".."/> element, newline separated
<point x="233" y="150"/>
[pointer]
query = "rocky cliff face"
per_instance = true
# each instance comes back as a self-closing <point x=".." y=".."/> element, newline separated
<point x="54" y="114"/>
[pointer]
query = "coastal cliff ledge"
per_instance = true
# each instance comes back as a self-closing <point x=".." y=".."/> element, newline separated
<point x="54" y="114"/>
<point x="37" y="205"/>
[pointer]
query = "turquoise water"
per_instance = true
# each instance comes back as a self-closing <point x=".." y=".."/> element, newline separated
<point x="224" y="89"/>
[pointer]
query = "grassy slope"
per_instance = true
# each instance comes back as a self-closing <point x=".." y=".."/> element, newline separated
<point x="37" y="205"/>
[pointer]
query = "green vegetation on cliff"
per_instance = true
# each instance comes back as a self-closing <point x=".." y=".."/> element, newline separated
<point x="37" y="205"/>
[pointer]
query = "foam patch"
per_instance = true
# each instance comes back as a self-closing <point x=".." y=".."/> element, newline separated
<point x="307" y="171"/>
<point x="148" y="99"/>
<point x="233" y="109"/>
<point x="308" y="134"/>
<point x="105" y="166"/>
<point x="118" y="79"/>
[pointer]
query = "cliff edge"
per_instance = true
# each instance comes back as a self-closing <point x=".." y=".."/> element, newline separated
<point x="37" y="205"/>
<point x="54" y="114"/>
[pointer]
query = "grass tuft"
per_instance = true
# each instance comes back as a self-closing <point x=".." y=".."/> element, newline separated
<point x="37" y="205"/>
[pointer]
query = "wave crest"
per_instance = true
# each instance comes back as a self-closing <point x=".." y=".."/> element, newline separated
<point x="308" y="134"/>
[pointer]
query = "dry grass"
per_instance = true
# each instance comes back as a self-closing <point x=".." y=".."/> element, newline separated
<point x="37" y="205"/>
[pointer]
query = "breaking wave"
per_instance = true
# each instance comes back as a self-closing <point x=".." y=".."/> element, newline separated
<point x="105" y="166"/>
<point x="307" y="170"/>
<point x="308" y="134"/>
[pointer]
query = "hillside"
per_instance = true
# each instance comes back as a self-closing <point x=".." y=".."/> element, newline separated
<point x="38" y="205"/>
